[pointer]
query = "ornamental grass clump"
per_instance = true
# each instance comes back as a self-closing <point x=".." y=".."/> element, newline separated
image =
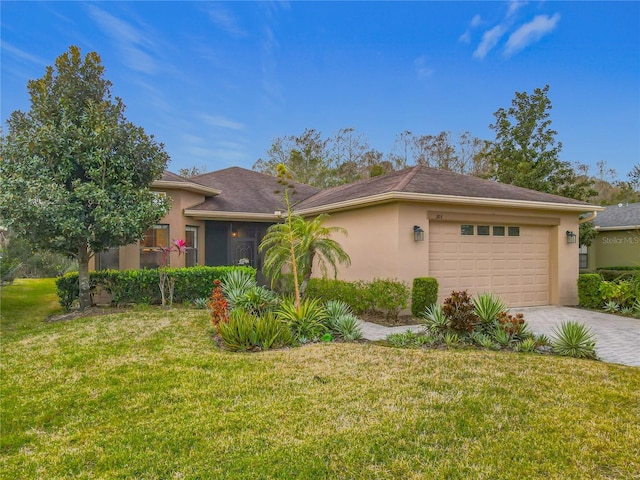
<point x="573" y="339"/>
<point x="245" y="332"/>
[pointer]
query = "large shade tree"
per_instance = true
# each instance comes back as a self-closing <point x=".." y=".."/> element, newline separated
<point x="74" y="173"/>
<point x="525" y="152"/>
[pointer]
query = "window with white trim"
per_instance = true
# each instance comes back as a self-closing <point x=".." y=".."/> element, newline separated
<point x="191" y="253"/>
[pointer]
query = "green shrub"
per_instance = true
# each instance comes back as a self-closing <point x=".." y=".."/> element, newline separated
<point x="423" y="294"/>
<point x="573" y="339"/>
<point x="354" y="294"/>
<point x="388" y="296"/>
<point x="621" y="292"/>
<point x="141" y="286"/>
<point x="589" y="290"/>
<point x="611" y="274"/>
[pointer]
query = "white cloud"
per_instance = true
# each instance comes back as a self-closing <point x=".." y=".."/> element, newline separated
<point x="514" y="6"/>
<point x="223" y="19"/>
<point x="490" y="39"/>
<point x="530" y="33"/>
<point x="131" y="42"/>
<point x="466" y="36"/>
<point x="220" y="121"/>
<point x="7" y="47"/>
<point x="422" y="68"/>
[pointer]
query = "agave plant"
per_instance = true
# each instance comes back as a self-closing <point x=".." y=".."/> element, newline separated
<point x="258" y="300"/>
<point x="526" y="345"/>
<point x="334" y="310"/>
<point x="626" y="311"/>
<point x="200" y="303"/>
<point x="574" y="339"/>
<point x="502" y="337"/>
<point x="611" y="307"/>
<point x="236" y="284"/>
<point x="347" y="327"/>
<point x="487" y="307"/>
<point x="434" y="318"/>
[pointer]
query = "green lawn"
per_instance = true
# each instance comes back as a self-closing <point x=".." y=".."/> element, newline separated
<point x="147" y="394"/>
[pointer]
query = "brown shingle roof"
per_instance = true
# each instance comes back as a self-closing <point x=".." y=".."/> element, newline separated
<point x="168" y="176"/>
<point x="425" y="180"/>
<point x="247" y="191"/>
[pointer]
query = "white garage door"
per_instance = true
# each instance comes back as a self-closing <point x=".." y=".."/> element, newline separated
<point x="512" y="262"/>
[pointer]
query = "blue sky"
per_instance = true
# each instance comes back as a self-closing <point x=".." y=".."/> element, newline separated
<point x="216" y="82"/>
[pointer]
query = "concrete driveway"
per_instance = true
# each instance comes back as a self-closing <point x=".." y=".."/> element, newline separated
<point x="617" y="338"/>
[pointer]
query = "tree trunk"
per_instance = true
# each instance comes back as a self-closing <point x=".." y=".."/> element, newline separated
<point x="84" y="297"/>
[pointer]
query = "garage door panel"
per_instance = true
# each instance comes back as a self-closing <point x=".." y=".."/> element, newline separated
<point x="516" y="268"/>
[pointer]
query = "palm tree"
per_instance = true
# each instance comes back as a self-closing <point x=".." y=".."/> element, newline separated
<point x="298" y="242"/>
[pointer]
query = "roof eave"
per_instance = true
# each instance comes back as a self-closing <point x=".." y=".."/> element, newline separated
<point x="189" y="186"/>
<point x="618" y="227"/>
<point x="434" y="198"/>
<point x="228" y="216"/>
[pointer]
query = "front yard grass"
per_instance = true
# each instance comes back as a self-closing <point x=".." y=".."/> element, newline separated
<point x="147" y="394"/>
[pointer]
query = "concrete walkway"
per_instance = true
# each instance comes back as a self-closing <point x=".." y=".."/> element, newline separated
<point x="617" y="338"/>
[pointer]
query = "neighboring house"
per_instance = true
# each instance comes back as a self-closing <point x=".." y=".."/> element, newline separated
<point x="467" y="232"/>
<point x="617" y="240"/>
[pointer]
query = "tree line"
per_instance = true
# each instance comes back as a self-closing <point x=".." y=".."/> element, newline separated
<point x="524" y="153"/>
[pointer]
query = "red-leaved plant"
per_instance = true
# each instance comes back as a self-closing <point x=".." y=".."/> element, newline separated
<point x="218" y="305"/>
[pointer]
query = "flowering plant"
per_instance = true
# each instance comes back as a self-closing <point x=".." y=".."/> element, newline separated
<point x="179" y="246"/>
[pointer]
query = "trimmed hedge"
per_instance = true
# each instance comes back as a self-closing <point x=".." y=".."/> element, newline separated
<point x="141" y="286"/>
<point x="423" y="295"/>
<point x="589" y="290"/>
<point x="618" y="273"/>
<point x="353" y="294"/>
<point x="382" y="295"/>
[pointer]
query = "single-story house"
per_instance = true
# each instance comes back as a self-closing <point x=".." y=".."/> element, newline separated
<point x="617" y="240"/>
<point x="467" y="232"/>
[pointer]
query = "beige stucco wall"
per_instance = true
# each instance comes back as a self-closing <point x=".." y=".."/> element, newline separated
<point x="380" y="241"/>
<point x="615" y="249"/>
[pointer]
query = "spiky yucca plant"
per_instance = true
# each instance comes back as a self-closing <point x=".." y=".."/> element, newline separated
<point x="573" y="339"/>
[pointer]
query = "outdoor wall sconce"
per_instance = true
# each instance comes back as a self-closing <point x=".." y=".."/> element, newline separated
<point x="418" y="233"/>
<point x="571" y="237"/>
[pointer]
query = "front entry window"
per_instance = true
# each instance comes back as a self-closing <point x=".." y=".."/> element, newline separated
<point x="151" y="254"/>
